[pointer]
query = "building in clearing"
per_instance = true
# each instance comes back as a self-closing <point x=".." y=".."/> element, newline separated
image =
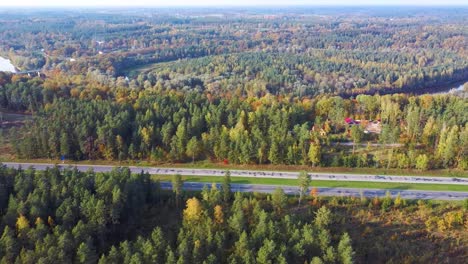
<point x="370" y="126"/>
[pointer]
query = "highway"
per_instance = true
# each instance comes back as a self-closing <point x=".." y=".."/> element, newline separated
<point x="292" y="190"/>
<point x="257" y="174"/>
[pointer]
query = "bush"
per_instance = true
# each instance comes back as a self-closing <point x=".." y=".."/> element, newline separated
<point x="387" y="202"/>
<point x="422" y="162"/>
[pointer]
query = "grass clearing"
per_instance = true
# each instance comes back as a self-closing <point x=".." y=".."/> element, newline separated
<point x="317" y="183"/>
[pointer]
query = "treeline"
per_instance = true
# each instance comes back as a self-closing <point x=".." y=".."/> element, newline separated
<point x="429" y="131"/>
<point x="67" y="216"/>
<point x="308" y="74"/>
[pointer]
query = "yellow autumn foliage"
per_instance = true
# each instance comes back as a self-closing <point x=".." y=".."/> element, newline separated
<point x="194" y="210"/>
<point x="39" y="221"/>
<point x="50" y="221"/>
<point x="22" y="222"/>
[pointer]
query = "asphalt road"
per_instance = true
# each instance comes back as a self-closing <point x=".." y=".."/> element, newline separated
<point x="292" y="190"/>
<point x="258" y="174"/>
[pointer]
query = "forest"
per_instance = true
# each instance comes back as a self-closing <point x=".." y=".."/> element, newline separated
<point x="157" y="125"/>
<point x="330" y="87"/>
<point x="311" y="88"/>
<point x="233" y="86"/>
<point x="67" y="216"/>
<point x="305" y="52"/>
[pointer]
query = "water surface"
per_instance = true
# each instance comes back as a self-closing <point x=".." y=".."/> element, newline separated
<point x="6" y="66"/>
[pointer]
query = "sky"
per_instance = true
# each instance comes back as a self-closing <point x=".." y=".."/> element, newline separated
<point x="224" y="2"/>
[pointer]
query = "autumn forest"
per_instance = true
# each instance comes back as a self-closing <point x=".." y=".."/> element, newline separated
<point x="313" y="88"/>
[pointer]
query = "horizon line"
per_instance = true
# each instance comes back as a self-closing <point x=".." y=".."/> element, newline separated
<point x="243" y="6"/>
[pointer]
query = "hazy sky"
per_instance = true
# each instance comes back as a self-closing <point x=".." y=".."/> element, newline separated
<point x="224" y="2"/>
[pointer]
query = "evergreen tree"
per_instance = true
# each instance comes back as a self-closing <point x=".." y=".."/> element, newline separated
<point x="267" y="253"/>
<point x="323" y="217"/>
<point x="345" y="251"/>
<point x="226" y="187"/>
<point x="177" y="184"/>
<point x="304" y="182"/>
<point x="193" y="148"/>
<point x="86" y="253"/>
<point x="279" y="199"/>
<point x="65" y="148"/>
<point x="9" y="246"/>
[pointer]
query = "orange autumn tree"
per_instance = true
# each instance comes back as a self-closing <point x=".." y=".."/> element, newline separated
<point x="314" y="194"/>
<point x="218" y="215"/>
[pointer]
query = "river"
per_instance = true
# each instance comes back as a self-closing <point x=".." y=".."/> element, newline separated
<point x="452" y="90"/>
<point x="456" y="87"/>
<point x="6" y="66"/>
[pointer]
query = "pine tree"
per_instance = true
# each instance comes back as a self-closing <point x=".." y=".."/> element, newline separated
<point x="9" y="246"/>
<point x="304" y="182"/>
<point x="65" y="149"/>
<point x="267" y="253"/>
<point x="323" y="217"/>
<point x="345" y="251"/>
<point x="86" y="253"/>
<point x="177" y="184"/>
<point x="193" y="148"/>
<point x="226" y="187"/>
<point x="316" y="260"/>
<point x="279" y="199"/>
<point x="330" y="255"/>
<point x="387" y="201"/>
<point x="170" y="257"/>
<point x="273" y="154"/>
<point x="215" y="196"/>
<point x="242" y="250"/>
<point x="211" y="259"/>
<point x="237" y="221"/>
